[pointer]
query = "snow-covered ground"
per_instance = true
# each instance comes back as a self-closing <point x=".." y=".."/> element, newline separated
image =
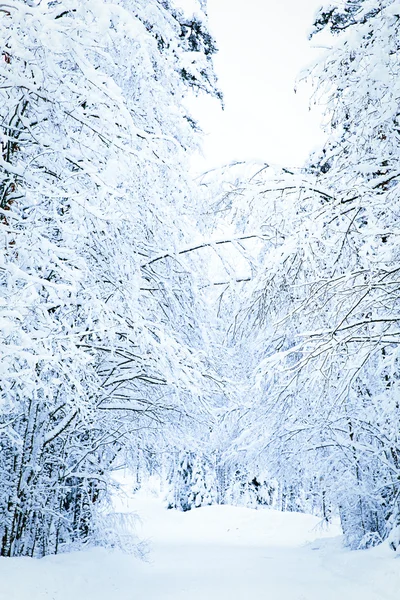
<point x="217" y="552"/>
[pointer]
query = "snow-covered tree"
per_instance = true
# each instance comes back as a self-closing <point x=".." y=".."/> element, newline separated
<point x="97" y="340"/>
<point x="325" y="302"/>
<point x="191" y="481"/>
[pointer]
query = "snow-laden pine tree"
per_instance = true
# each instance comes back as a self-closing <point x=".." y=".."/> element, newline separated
<point x="98" y="338"/>
<point x="191" y="480"/>
<point x="325" y="302"/>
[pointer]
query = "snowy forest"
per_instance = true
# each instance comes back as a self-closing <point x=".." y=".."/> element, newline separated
<point x="233" y="333"/>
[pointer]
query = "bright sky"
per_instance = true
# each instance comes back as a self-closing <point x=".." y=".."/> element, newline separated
<point x="263" y="46"/>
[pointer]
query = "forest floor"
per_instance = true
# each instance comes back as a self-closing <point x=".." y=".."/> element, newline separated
<point x="216" y="552"/>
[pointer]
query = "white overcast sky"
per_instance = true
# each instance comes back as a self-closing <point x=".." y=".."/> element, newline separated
<point x="263" y="46"/>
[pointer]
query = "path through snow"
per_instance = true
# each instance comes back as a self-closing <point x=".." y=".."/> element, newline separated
<point x="212" y="553"/>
